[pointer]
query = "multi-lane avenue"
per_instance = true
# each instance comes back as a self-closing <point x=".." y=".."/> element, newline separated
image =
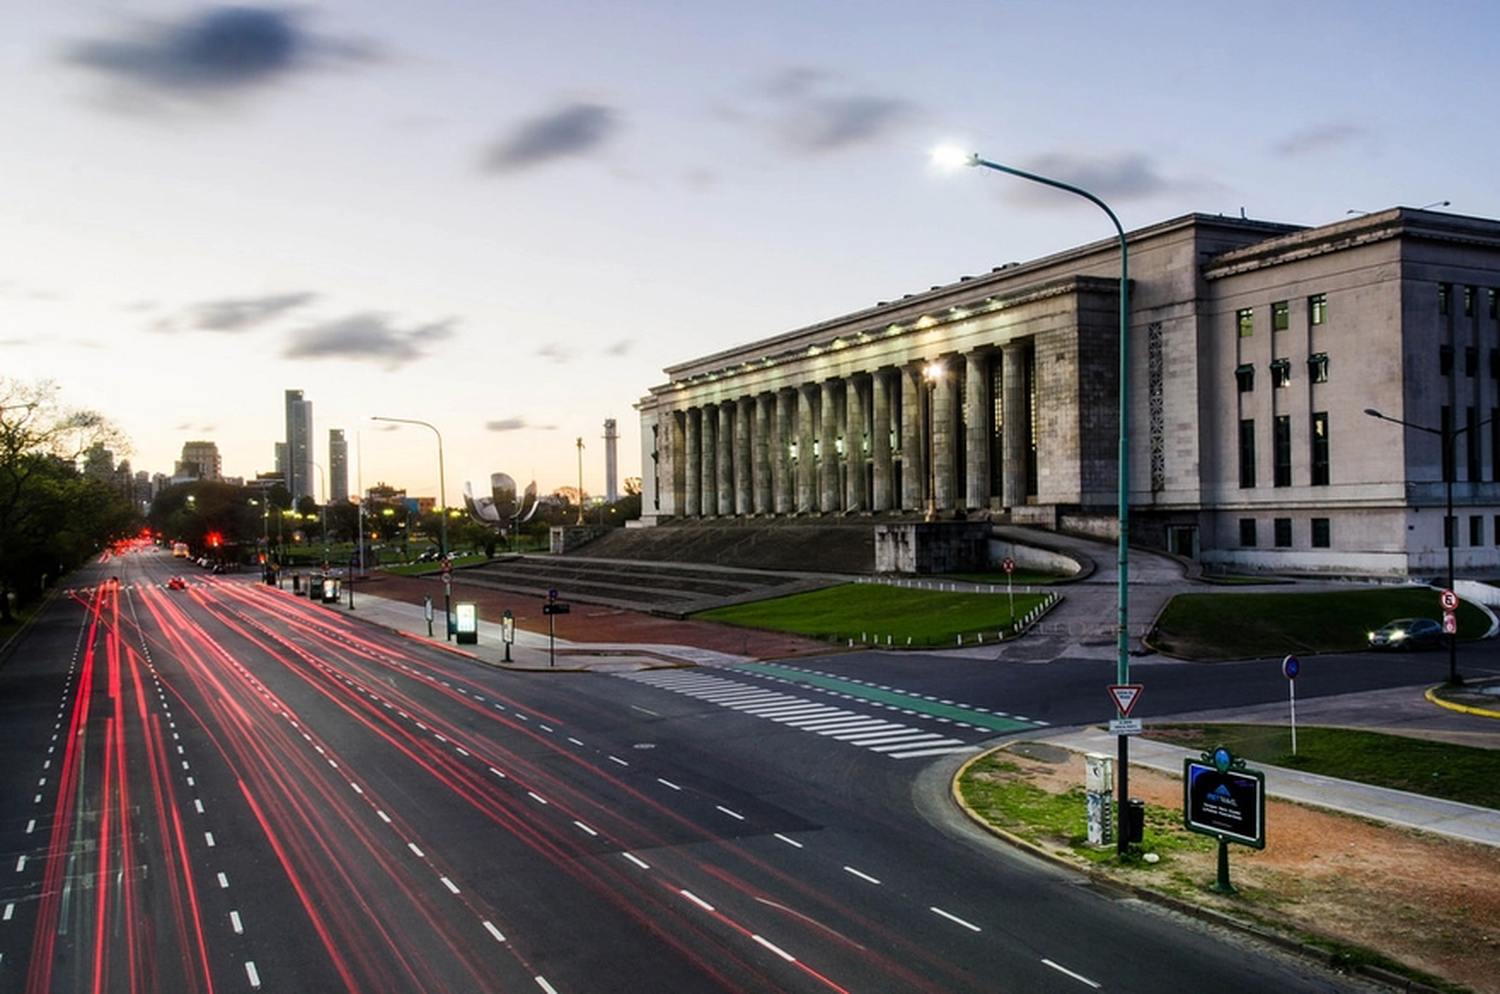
<point x="230" y="788"/>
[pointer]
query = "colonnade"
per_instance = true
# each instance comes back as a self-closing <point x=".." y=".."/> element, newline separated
<point x="893" y="438"/>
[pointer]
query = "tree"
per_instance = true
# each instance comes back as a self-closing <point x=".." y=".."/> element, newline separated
<point x="51" y="517"/>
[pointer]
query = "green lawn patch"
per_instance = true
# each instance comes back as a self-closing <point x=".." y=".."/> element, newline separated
<point x="1434" y="769"/>
<point x="1259" y="625"/>
<point x="873" y="613"/>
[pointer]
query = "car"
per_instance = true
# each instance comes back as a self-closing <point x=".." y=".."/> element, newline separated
<point x="1408" y="633"/>
<point x="177" y="583"/>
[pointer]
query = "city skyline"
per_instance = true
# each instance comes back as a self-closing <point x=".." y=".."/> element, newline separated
<point x="509" y="223"/>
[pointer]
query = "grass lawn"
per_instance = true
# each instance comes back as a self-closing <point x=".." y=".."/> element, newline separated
<point x="1259" y="625"/>
<point x="871" y="613"/>
<point x="1434" y="769"/>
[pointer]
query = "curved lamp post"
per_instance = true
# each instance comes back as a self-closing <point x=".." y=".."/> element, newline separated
<point x="1122" y="674"/>
<point x="443" y="517"/>
<point x="1447" y="434"/>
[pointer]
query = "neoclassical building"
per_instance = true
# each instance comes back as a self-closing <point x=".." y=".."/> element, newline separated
<point x="1255" y="351"/>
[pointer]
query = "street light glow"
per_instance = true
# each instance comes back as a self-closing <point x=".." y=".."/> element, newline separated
<point x="953" y="157"/>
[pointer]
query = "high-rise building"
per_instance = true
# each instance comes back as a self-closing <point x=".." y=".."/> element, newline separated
<point x="200" y="459"/>
<point x="298" y="465"/>
<point x="338" y="466"/>
<point x="611" y="461"/>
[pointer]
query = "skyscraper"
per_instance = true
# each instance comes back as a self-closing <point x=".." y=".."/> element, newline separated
<point x="338" y="466"/>
<point x="299" y="455"/>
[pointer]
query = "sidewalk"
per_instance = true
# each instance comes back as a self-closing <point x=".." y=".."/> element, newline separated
<point x="1429" y="814"/>
<point x="533" y="651"/>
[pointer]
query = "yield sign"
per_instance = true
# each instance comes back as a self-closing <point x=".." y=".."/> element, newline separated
<point x="1125" y="695"/>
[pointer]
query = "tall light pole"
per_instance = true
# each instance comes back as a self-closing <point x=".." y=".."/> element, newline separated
<point x="323" y="507"/>
<point x="1447" y="434"/>
<point x="442" y="500"/>
<point x="580" y="480"/>
<point x="1122" y="665"/>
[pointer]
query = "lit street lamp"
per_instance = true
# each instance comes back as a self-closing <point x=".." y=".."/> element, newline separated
<point x="1123" y="500"/>
<point x="1447" y="434"/>
<point x="442" y="500"/>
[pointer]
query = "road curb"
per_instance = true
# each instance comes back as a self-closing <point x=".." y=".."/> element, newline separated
<point x="1432" y="697"/>
<point x="1212" y="916"/>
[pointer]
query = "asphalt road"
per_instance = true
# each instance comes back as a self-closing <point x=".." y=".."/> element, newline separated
<point x="229" y="788"/>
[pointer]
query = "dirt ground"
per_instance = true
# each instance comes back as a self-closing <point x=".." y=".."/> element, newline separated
<point x="1428" y="902"/>
<point x="1425" y="901"/>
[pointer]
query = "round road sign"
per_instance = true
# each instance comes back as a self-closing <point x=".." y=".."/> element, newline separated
<point x="1449" y="600"/>
<point x="1290" y="667"/>
<point x="1008" y="564"/>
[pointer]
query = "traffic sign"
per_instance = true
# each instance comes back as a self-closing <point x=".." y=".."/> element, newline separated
<point x="556" y="607"/>
<point x="1449" y="600"/>
<point x="1290" y="667"/>
<point x="1008" y="564"/>
<point x="1125" y="726"/>
<point x="1450" y="622"/>
<point x="1125" y="695"/>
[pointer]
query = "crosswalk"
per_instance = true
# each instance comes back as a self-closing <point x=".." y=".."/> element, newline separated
<point x="897" y="740"/>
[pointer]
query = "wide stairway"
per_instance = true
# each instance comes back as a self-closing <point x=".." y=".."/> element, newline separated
<point x="683" y="567"/>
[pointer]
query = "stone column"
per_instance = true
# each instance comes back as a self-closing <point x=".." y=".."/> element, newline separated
<point x="761" y="477"/>
<point x="913" y="439"/>
<point x="977" y="427"/>
<point x="743" y="464"/>
<point x="807" y="464"/>
<point x="830" y="494"/>
<point x="784" y="485"/>
<point x="944" y="437"/>
<point x="709" y="482"/>
<point x="882" y="498"/>
<point x="692" y="450"/>
<point x="1014" y="427"/>
<point x="854" y="446"/>
<point x="726" y="458"/>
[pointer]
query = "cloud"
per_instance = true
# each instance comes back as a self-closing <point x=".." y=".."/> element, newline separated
<point x="622" y="347"/>
<point x="368" y="337"/>
<point x="568" y="132"/>
<point x="235" y="315"/>
<point x="556" y="353"/>
<point x="805" y="114"/>
<point x="516" y="424"/>
<point x="1122" y="177"/>
<point x="212" y="53"/>
<point x="1322" y="137"/>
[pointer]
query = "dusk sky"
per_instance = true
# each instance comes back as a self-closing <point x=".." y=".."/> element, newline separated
<point x="507" y="218"/>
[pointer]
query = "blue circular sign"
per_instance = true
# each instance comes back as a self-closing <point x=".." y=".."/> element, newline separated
<point x="1290" y="667"/>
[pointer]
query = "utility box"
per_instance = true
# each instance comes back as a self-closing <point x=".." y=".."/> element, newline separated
<point x="1099" y="785"/>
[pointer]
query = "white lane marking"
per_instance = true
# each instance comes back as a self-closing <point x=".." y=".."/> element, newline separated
<point x="928" y="741"/>
<point x="252" y="973"/>
<point x="538" y="798"/>
<point x="449" y="884"/>
<point x="198" y="805"/>
<point x="1069" y="973"/>
<point x="383" y="816"/>
<point x="497" y="773"/>
<point x="635" y="860"/>
<point x="10" y="909"/>
<point x="223" y="882"/>
<point x="791" y="842"/>
<point x="697" y="900"/>
<point x="20" y="863"/>
<point x="954" y="918"/>
<point x="576" y="742"/>
<point x="499" y="937"/>
<point x="617" y="759"/>
<point x="667" y="783"/>
<point x="775" y="948"/>
<point x="209" y="838"/>
<point x="733" y="814"/>
<point x="413" y="847"/>
<point x="585" y="828"/>
<point x="861" y="875"/>
<point x="923" y="753"/>
<point x="542" y="983"/>
<point x="235" y="923"/>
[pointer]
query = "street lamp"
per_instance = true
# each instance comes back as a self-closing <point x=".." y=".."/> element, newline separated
<point x="931" y="373"/>
<point x="1447" y="434"/>
<point x="443" y="500"/>
<point x="1122" y="674"/>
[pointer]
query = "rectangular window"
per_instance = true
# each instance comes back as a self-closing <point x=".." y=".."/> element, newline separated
<point x="1317" y="367"/>
<point x="1476" y="529"/>
<point x="1471" y="361"/>
<point x="1496" y="531"/>
<point x="1281" y="316"/>
<point x="1283" y="533"/>
<point x="1495" y="303"/>
<point x="1281" y="372"/>
<point x="1472" y="446"/>
<point x="1445" y="298"/>
<point x="1495" y="364"/>
<point x="1247" y="453"/>
<point x="1450" y="457"/>
<point x="1445" y="360"/>
<point x="1317" y="309"/>
<point x="1320" y="449"/>
<point x="1495" y="443"/>
<point x="1469" y="293"/>
<point x="1247" y="533"/>
<point x="1322" y="535"/>
<point x="1245" y="318"/>
<point x="1244" y="376"/>
<point x="1281" y="444"/>
<point x="1450" y="531"/>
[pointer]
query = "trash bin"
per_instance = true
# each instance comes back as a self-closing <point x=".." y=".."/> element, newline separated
<point x="1135" y="820"/>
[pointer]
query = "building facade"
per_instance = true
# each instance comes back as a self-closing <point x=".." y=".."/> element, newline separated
<point x="200" y="460"/>
<point x="1255" y="351"/>
<point x="297" y="465"/>
<point x="338" y="466"/>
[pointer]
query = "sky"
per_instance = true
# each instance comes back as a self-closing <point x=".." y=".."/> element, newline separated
<point x="507" y="218"/>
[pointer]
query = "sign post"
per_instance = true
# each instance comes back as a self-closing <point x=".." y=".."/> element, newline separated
<point x="1009" y="565"/>
<point x="1290" y="667"/>
<point x="447" y="572"/>
<point x="508" y="631"/>
<point x="552" y="609"/>
<point x="1223" y="798"/>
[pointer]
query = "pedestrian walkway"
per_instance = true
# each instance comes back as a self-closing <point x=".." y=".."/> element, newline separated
<point x="1396" y="807"/>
